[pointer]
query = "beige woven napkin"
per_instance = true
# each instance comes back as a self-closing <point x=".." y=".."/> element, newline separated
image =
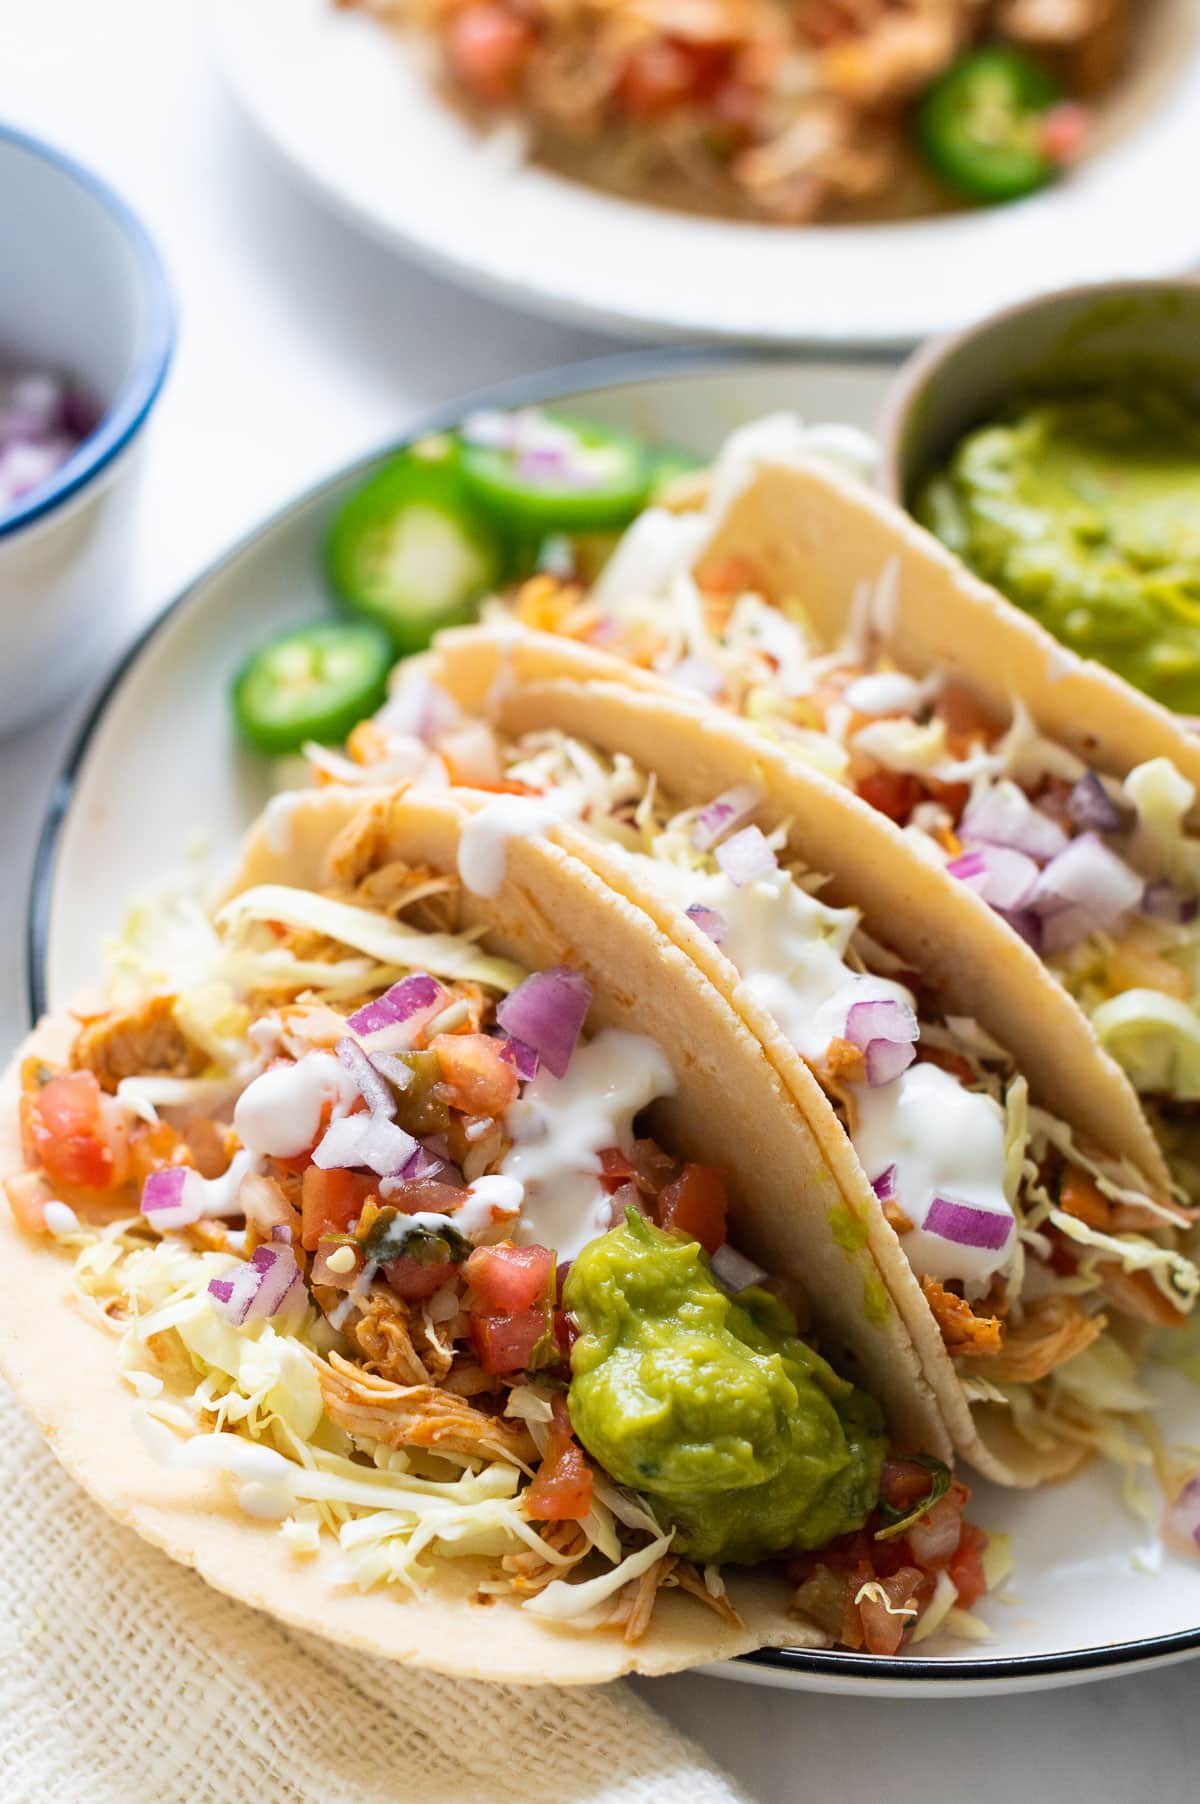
<point x="125" y="1680"/>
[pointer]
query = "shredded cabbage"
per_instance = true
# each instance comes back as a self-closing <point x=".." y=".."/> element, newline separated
<point x="1160" y="845"/>
<point x="1154" y="1038"/>
<point x="390" y="942"/>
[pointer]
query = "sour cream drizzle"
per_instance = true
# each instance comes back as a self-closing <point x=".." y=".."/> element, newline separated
<point x="560" y="1125"/>
<point x="944" y="1140"/>
<point x="279" y="1114"/>
<point x="483" y="846"/>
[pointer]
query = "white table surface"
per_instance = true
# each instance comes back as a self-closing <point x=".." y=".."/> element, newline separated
<point x="300" y="346"/>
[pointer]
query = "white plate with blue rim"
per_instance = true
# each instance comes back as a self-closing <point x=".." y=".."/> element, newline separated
<point x="342" y="103"/>
<point x="157" y="773"/>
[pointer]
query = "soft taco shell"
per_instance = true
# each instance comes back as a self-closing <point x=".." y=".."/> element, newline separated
<point x="62" y="1362"/>
<point x="695" y="759"/>
<point x="979" y="966"/>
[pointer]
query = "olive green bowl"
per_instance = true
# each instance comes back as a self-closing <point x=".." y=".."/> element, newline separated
<point x="1078" y="337"/>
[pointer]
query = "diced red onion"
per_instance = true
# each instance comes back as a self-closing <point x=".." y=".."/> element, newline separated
<point x="886" y="1030"/>
<point x="698" y="675"/>
<point x="885" y="1184"/>
<point x="397" y="1073"/>
<point x="728" y="811"/>
<point x="42" y="422"/>
<point x="547" y="1013"/>
<point x="521" y="1057"/>
<point x="734" y="1270"/>
<point x="968" y="1225"/>
<point x="282" y="1233"/>
<point x="1166" y="902"/>
<point x="263" y="1202"/>
<point x="260" y="1288"/>
<point x="1089" y="877"/>
<point x="746" y="857"/>
<point x="1002" y="876"/>
<point x="1004" y="816"/>
<point x="372" y="1087"/>
<point x="1090" y="806"/>
<point x="1183" y="1517"/>
<point x="626" y="1196"/>
<point x="427" y="1164"/>
<point x="399" y="1004"/>
<point x="709" y="920"/>
<point x="368" y="1140"/>
<point x="1023" y="921"/>
<point x="419" y="709"/>
<point x="169" y="1201"/>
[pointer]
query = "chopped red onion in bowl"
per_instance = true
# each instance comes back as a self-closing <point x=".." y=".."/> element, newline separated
<point x="746" y="857"/>
<point x="522" y="1058"/>
<point x="968" y="1224"/>
<point x="169" y="1201"/>
<point x="44" y="418"/>
<point x="728" y="811"/>
<point x="546" y="1013"/>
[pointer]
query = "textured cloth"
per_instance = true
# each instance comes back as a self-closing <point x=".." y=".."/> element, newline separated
<point x="124" y="1679"/>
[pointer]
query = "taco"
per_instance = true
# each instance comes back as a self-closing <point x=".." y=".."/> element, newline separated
<point x="1056" y="797"/>
<point x="1025" y="1251"/>
<point x="426" y="1269"/>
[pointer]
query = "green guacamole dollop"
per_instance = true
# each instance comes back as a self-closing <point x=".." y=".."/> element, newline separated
<point x="1085" y="510"/>
<point x="742" y="1438"/>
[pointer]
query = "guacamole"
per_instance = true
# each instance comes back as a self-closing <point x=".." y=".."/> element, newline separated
<point x="1085" y="510"/>
<point x="739" y="1435"/>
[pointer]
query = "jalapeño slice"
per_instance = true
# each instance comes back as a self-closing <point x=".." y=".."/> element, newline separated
<point x="538" y="473"/>
<point x="311" y="684"/>
<point x="411" y="550"/>
<point x="981" y="125"/>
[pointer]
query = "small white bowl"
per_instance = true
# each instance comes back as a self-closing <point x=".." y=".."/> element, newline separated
<point x="84" y="292"/>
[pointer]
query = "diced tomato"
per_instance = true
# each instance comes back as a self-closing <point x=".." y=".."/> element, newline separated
<point x="966" y="1568"/>
<point x="489" y="49"/>
<point x="566" y="1332"/>
<point x="730" y="574"/>
<point x="411" y="1279"/>
<point x="506" y="1342"/>
<point x="475" y="1077"/>
<point x="967" y="722"/>
<point x="658" y="78"/>
<point x="72" y="1136"/>
<point x="953" y="797"/>
<point x="903" y="1483"/>
<point x="27" y="1196"/>
<point x="329" y="1202"/>
<point x="1064" y="130"/>
<point x="694" y="1203"/>
<point x="934" y="1537"/>
<point x="872" y="1624"/>
<point x="615" y="1168"/>
<point x="892" y="792"/>
<point x="509" y="1279"/>
<point x="562" y="1487"/>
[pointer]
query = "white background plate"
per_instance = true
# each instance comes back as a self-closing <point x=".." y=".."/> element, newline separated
<point x="159" y="765"/>
<point x="337" y="98"/>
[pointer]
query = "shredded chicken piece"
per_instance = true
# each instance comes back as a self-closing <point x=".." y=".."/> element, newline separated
<point x="138" y="1042"/>
<point x="896" y="1218"/>
<point x="417" y="1415"/>
<point x="382" y="1335"/>
<point x="529" y="1571"/>
<point x="1136" y="1294"/>
<point x="844" y="1063"/>
<point x="1051" y="1331"/>
<point x="636" y="1601"/>
<point x="966" y="1335"/>
<point x="710" y="1591"/>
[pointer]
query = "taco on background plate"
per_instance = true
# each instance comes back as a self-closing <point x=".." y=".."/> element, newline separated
<point x="448" y="1273"/>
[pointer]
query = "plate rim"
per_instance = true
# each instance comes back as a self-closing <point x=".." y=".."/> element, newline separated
<point x="620" y="369"/>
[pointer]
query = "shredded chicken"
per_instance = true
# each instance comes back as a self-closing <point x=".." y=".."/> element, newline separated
<point x="416" y="1415"/>
<point x="1051" y="1331"/>
<point x="139" y="1042"/>
<point x="1136" y="1294"/>
<point x="966" y="1335"/>
<point x="383" y="1336"/>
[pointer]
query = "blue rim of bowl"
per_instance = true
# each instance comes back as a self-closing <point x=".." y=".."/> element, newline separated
<point x="140" y="389"/>
<point x="619" y="370"/>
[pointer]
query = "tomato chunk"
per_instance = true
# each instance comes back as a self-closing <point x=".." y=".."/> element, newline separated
<point x="508" y="1279"/>
<point x="893" y="792"/>
<point x="694" y="1203"/>
<point x="414" y="1280"/>
<point x="475" y="1077"/>
<point x="67" y="1133"/>
<point x="506" y="1342"/>
<point x="966" y="1567"/>
<point x="329" y="1202"/>
<point x="489" y="48"/>
<point x="562" y="1487"/>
